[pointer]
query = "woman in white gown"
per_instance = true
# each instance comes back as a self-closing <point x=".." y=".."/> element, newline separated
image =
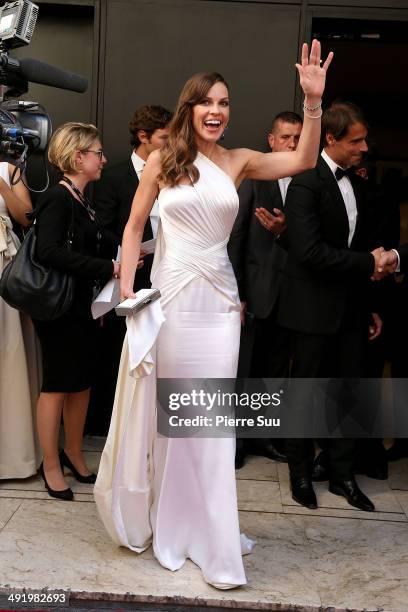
<point x="180" y="493"/>
<point x="18" y="358"/>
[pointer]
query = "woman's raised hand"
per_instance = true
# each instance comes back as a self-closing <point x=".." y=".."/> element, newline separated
<point x="311" y="73"/>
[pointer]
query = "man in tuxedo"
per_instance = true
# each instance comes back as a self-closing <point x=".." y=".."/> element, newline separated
<point x="115" y="191"/>
<point x="258" y="262"/>
<point x="324" y="295"/>
<point x="113" y="196"/>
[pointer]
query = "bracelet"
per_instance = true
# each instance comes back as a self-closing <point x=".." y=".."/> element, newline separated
<point x="312" y="108"/>
<point x="313" y="116"/>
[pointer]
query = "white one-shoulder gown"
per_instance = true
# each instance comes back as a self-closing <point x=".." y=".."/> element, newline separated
<point x="179" y="493"/>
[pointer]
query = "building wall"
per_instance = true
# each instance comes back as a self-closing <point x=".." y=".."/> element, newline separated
<point x="142" y="51"/>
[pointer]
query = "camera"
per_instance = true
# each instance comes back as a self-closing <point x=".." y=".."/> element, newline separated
<point x="25" y="127"/>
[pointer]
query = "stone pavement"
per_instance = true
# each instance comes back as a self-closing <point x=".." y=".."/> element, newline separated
<point x="334" y="558"/>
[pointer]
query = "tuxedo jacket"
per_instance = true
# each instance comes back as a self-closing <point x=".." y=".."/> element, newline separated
<point x="113" y="196"/>
<point x="403" y="253"/>
<point x="257" y="259"/>
<point x="326" y="283"/>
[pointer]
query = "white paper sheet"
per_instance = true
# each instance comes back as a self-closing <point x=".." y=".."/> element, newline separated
<point x="107" y="299"/>
<point x="148" y="246"/>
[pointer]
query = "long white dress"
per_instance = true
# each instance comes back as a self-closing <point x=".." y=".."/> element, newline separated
<point x="180" y="493"/>
<point x="18" y="370"/>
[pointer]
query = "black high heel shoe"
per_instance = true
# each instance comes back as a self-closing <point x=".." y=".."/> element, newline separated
<point x="65" y="461"/>
<point x="65" y="494"/>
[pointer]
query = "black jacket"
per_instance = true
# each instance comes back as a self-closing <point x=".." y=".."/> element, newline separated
<point x="53" y="214"/>
<point x="325" y="283"/>
<point x="257" y="259"/>
<point x="113" y="196"/>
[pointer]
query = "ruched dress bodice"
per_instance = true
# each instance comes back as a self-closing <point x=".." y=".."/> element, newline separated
<point x="196" y="222"/>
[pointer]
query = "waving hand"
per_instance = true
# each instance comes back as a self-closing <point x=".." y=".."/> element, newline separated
<point x="312" y="74"/>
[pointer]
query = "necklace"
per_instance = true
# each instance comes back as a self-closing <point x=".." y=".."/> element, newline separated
<point x="82" y="199"/>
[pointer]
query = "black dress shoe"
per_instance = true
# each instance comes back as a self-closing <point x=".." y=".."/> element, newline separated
<point x="65" y="461"/>
<point x="65" y="494"/>
<point x="303" y="492"/>
<point x="265" y="448"/>
<point x="320" y="471"/>
<point x="351" y="491"/>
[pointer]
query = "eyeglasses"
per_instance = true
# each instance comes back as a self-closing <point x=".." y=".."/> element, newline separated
<point x="99" y="153"/>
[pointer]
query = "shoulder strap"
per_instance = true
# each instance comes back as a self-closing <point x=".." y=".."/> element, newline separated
<point x="70" y="235"/>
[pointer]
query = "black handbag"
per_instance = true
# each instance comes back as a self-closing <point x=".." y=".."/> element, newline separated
<point x="41" y="292"/>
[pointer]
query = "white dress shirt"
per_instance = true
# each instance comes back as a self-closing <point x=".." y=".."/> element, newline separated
<point x="283" y="186"/>
<point x="347" y="193"/>
<point x="139" y="164"/>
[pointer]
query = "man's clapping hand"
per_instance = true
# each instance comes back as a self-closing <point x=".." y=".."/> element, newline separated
<point x="273" y="223"/>
<point x="386" y="262"/>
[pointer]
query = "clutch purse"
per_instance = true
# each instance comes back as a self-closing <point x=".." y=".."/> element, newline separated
<point x="132" y="306"/>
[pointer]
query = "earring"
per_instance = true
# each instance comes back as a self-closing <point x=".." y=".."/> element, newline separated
<point x="223" y="134"/>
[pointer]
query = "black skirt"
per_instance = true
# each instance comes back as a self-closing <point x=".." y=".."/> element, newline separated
<point x="68" y="346"/>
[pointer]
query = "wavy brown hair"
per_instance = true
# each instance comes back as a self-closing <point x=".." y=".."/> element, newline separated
<point x="180" y="151"/>
<point x="148" y="118"/>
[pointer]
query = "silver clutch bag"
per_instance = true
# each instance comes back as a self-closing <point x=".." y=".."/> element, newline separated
<point x="132" y="306"/>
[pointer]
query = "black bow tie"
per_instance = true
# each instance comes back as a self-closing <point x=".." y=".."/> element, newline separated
<point x="340" y="173"/>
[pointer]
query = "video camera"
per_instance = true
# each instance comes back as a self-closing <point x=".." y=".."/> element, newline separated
<point x="25" y="127"/>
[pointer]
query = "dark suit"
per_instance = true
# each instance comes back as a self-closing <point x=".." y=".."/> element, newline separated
<point x="399" y="366"/>
<point x="258" y="263"/>
<point x="325" y="296"/>
<point x="113" y="196"/>
<point x="403" y="253"/>
<point x="323" y="275"/>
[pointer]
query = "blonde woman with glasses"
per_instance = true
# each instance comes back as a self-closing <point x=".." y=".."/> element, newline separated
<point x="68" y="343"/>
